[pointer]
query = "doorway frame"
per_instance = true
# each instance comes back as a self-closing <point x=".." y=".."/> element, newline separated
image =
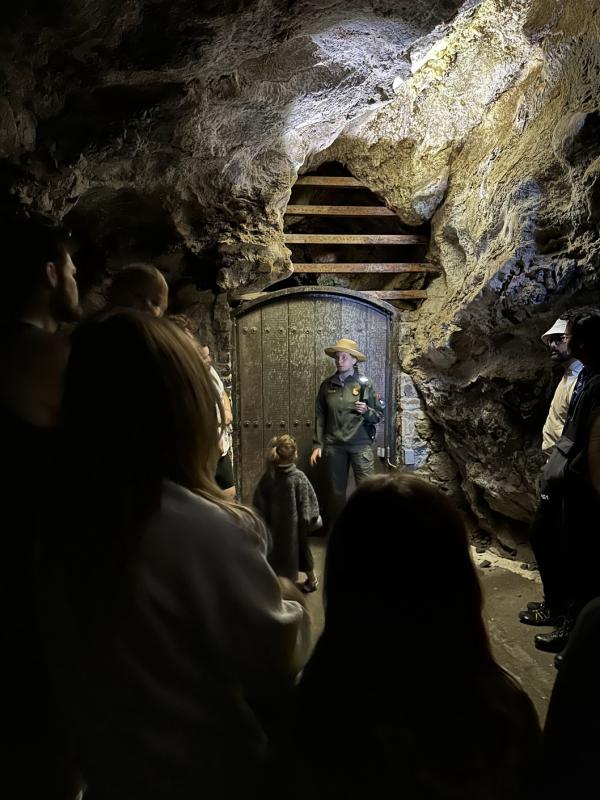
<point x="392" y="373"/>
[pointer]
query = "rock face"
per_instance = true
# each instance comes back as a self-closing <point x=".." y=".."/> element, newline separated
<point x="206" y="110"/>
<point x="516" y="151"/>
<point x="173" y="132"/>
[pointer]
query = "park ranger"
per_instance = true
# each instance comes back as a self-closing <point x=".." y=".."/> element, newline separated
<point x="348" y="408"/>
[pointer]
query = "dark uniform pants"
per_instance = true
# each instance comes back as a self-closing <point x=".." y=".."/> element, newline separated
<point x="549" y="547"/>
<point x="338" y="460"/>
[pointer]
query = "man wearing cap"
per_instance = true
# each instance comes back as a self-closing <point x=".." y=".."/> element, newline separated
<point x="568" y="476"/>
<point x="555" y="421"/>
<point x="546" y="532"/>
<point x="347" y="410"/>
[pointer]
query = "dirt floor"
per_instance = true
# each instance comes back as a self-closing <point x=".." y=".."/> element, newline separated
<point x="507" y="589"/>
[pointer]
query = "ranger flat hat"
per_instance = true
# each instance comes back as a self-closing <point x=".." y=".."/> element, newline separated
<point x="558" y="329"/>
<point x="346" y="346"/>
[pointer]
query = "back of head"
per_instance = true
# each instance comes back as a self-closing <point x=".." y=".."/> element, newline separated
<point x="282" y="450"/>
<point x="139" y="286"/>
<point x="138" y="408"/>
<point x="137" y="392"/>
<point x="29" y="240"/>
<point x="404" y="544"/>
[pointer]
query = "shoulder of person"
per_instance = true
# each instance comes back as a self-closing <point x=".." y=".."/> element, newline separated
<point x="216" y="378"/>
<point x="306" y="487"/>
<point x="195" y="522"/>
<point x="590" y="394"/>
<point x="301" y="476"/>
<point x="509" y="695"/>
<point x="56" y="348"/>
<point x="33" y="362"/>
<point x="575" y="367"/>
<point x="40" y="344"/>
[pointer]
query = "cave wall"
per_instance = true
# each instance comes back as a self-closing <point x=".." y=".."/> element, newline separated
<point x="174" y="132"/>
<point x="509" y="177"/>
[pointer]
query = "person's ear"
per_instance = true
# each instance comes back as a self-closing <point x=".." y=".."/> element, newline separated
<point x="51" y="274"/>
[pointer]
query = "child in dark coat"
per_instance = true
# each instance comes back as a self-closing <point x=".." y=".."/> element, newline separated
<point x="288" y="503"/>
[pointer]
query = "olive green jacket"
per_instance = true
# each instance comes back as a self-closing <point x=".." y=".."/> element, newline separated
<point x="336" y="419"/>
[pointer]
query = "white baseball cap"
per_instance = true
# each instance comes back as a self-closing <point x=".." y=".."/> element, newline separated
<point x="558" y="329"/>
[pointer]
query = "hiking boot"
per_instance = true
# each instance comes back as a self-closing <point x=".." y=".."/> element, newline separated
<point x="540" y="616"/>
<point x="556" y="640"/>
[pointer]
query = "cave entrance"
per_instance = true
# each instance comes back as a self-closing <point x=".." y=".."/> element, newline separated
<point x="279" y="363"/>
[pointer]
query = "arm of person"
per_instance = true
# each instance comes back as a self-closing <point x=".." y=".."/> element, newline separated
<point x="594" y="453"/>
<point x="320" y="419"/>
<point x="308" y="505"/>
<point x="227" y="412"/>
<point x="371" y="409"/>
<point x="262" y="639"/>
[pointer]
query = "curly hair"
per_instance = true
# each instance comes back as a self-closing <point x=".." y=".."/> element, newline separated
<point x="282" y="450"/>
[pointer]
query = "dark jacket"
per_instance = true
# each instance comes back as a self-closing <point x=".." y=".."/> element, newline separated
<point x="566" y="473"/>
<point x="287" y="502"/>
<point x="337" y="420"/>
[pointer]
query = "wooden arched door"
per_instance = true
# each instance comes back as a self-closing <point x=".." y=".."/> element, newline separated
<point x="279" y="363"/>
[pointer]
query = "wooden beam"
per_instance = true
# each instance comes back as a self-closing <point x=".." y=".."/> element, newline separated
<point x="367" y="267"/>
<point x="246" y="296"/>
<point x="363" y="238"/>
<point x="398" y="294"/>
<point x="339" y="211"/>
<point x="323" y="180"/>
<point x="389" y="294"/>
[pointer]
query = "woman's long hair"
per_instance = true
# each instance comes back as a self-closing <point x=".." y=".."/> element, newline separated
<point x="402" y="688"/>
<point x="399" y="575"/>
<point x="139" y="407"/>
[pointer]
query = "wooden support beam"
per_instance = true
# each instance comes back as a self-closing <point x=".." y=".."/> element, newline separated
<point x="366" y="267"/>
<point x="244" y="297"/>
<point x="339" y="211"/>
<point x="389" y="294"/>
<point x="323" y="180"/>
<point x="363" y="238"/>
<point x="398" y="294"/>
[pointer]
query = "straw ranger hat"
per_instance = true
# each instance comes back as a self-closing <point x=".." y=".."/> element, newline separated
<point x="346" y="346"/>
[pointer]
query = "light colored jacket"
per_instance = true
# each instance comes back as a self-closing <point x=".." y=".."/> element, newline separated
<point x="225" y="430"/>
<point x="166" y="706"/>
<point x="557" y="415"/>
